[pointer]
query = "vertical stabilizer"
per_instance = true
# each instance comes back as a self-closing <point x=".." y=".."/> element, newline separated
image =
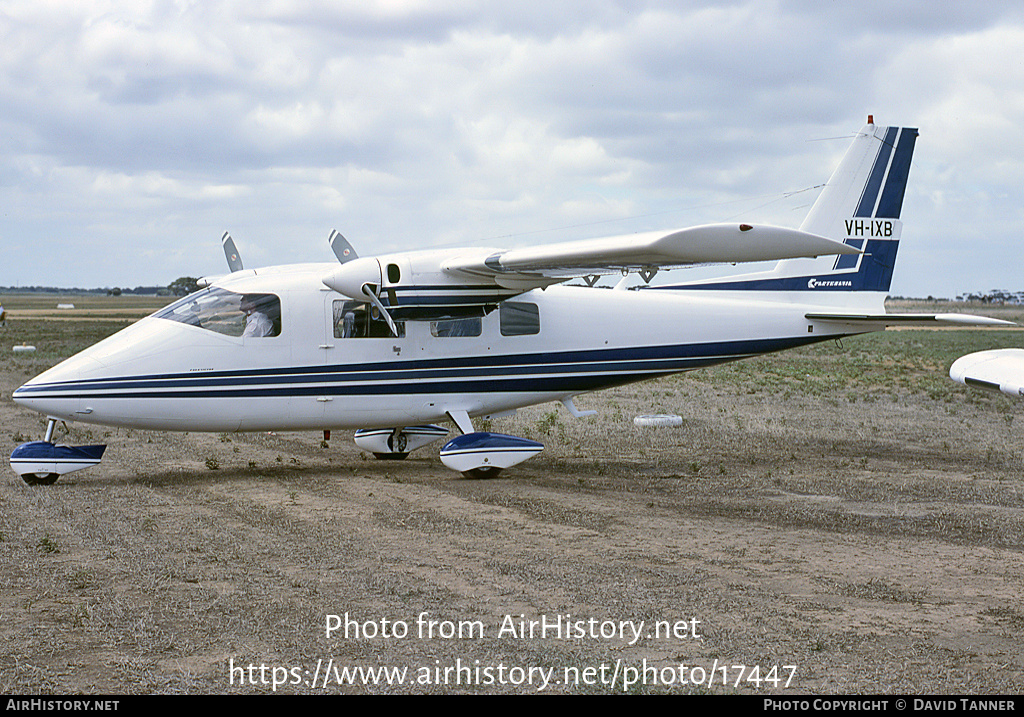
<point x="860" y="206"/>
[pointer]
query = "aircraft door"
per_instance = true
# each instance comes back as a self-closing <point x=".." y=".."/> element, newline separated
<point x="331" y="353"/>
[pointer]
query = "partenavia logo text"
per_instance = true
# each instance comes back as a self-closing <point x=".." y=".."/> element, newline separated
<point x="827" y="283"/>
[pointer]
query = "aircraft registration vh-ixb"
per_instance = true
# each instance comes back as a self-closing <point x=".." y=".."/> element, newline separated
<point x="393" y="344"/>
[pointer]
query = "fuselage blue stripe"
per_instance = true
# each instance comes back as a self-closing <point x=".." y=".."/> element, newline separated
<point x="514" y="373"/>
<point x="489" y="363"/>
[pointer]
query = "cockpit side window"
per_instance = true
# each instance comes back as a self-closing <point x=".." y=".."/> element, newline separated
<point x="362" y="320"/>
<point x="226" y="312"/>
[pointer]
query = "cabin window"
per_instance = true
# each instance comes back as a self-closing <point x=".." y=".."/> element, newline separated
<point x="456" y="328"/>
<point x="518" y="318"/>
<point x="362" y="320"/>
<point x="227" y="312"/>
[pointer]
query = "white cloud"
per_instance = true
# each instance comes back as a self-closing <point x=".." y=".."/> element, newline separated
<point x="406" y="124"/>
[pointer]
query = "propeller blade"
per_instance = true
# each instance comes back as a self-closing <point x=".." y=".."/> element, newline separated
<point x="341" y="248"/>
<point x="375" y="300"/>
<point x="234" y="260"/>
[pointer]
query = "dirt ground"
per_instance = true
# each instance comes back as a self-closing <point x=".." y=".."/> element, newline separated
<point x="801" y="532"/>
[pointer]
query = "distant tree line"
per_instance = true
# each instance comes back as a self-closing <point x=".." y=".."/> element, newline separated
<point x="179" y="287"/>
<point x="996" y="296"/>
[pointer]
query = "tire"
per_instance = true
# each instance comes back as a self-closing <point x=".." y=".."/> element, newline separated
<point x="40" y="478"/>
<point x="390" y="456"/>
<point x="484" y="473"/>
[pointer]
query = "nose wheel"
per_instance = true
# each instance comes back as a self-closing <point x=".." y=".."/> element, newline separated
<point x="42" y="462"/>
<point x="40" y="478"/>
<point x="43" y="478"/>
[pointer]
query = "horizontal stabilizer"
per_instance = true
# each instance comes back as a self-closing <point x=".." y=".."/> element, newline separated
<point x="997" y="370"/>
<point x="911" y="319"/>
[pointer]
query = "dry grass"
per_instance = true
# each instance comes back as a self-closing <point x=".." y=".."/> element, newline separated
<point x="849" y="511"/>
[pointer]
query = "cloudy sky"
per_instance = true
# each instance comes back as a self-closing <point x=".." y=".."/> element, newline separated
<point x="135" y="133"/>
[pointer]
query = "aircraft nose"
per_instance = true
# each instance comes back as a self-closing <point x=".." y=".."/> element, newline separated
<point x="57" y="391"/>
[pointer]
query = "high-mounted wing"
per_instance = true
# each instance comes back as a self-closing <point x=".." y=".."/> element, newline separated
<point x="708" y="244"/>
<point x="430" y="285"/>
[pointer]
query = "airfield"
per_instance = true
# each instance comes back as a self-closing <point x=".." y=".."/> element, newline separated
<point x="836" y="519"/>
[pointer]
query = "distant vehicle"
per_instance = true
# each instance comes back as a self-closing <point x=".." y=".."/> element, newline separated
<point x="996" y="370"/>
<point x="393" y="344"/>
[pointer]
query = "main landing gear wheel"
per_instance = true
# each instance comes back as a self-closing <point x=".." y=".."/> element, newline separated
<point x="395" y="444"/>
<point x="40" y="478"/>
<point x="482" y="473"/>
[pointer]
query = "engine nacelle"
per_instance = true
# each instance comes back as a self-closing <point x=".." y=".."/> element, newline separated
<point x="350" y="278"/>
<point x="414" y="286"/>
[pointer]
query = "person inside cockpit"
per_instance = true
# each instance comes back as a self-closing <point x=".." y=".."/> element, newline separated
<point x="257" y="309"/>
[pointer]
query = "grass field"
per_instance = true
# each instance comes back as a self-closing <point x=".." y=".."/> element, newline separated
<point x="844" y="514"/>
<point x="86" y="307"/>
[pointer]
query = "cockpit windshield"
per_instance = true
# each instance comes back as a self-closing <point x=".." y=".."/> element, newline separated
<point x="227" y="312"/>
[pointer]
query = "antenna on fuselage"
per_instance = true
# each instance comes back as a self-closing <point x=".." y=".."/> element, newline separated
<point x="231" y="252"/>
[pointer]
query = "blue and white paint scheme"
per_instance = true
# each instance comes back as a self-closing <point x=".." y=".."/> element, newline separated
<point x="416" y="338"/>
<point x="996" y="370"/>
<point x="483" y="454"/>
<point x="42" y="462"/>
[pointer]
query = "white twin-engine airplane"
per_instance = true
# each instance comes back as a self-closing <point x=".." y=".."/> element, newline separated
<point x="392" y="344"/>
